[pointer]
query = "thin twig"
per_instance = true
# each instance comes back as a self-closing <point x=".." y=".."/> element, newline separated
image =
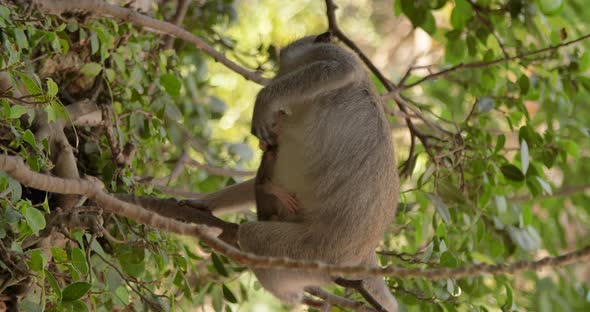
<point x="181" y="9"/>
<point x="483" y="64"/>
<point x="390" y="86"/>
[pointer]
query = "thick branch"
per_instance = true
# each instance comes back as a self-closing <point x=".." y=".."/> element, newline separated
<point x="16" y="168"/>
<point x="101" y="8"/>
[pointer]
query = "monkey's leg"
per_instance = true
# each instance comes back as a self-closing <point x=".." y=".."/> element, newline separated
<point x="284" y="239"/>
<point x="233" y="197"/>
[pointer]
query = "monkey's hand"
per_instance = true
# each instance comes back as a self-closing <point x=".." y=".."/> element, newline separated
<point x="288" y="200"/>
<point x="265" y="120"/>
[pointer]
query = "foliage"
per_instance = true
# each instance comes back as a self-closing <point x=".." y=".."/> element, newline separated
<point x="502" y="181"/>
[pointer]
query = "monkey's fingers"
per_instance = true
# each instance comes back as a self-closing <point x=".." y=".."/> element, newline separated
<point x="264" y="135"/>
<point x="292" y="203"/>
<point x="287" y="200"/>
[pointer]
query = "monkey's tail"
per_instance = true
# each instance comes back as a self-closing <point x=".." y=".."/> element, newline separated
<point x="378" y="290"/>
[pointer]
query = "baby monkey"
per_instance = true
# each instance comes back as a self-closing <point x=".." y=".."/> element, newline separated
<point x="266" y="192"/>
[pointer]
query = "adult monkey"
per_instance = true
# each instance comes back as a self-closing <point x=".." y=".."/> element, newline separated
<point x="336" y="155"/>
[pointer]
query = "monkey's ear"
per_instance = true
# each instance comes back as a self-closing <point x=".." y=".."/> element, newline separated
<point x="325" y="37"/>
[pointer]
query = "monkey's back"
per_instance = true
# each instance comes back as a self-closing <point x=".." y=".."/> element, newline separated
<point x="349" y="182"/>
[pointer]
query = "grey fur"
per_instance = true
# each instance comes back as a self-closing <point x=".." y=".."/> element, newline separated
<point x="337" y="155"/>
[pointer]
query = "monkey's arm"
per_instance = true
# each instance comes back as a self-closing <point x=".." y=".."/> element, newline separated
<point x="299" y="86"/>
<point x="267" y="192"/>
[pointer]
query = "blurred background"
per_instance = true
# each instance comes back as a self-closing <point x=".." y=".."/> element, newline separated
<point x="495" y="171"/>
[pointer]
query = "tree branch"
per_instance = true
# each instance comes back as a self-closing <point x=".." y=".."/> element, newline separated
<point x="181" y="9"/>
<point x="389" y="86"/>
<point x="358" y="286"/>
<point x="338" y="301"/>
<point x="16" y="168"/>
<point x="101" y="8"/>
<point x="482" y="64"/>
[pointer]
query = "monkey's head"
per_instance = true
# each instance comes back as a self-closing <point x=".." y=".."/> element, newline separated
<point x="290" y="55"/>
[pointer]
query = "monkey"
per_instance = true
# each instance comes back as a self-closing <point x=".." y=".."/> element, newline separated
<point x="337" y="155"/>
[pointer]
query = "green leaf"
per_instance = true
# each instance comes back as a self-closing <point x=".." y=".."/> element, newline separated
<point x="29" y="137"/>
<point x="75" y="291"/>
<point x="448" y="260"/>
<point x="429" y="24"/>
<point x="572" y="148"/>
<point x="53" y="284"/>
<point x="55" y="111"/>
<point x="546" y="187"/>
<point x="21" y="39"/>
<point x="94" y="44"/>
<point x="51" y="87"/>
<point x="172" y="111"/>
<point x="524" y="155"/>
<point x="16" y="190"/>
<point x="500" y="142"/>
<point x="171" y="84"/>
<point x="76" y="305"/>
<point x="441" y="207"/>
<point x="38" y="261"/>
<point x="16" y="111"/>
<point x="30" y="84"/>
<point x="455" y="49"/>
<point x="4" y="12"/>
<point x="122" y="294"/>
<point x="550" y="7"/>
<point x="511" y="172"/>
<point x="91" y="69"/>
<point x="436" y="4"/>
<point x="527" y="238"/>
<point x="508" y="305"/>
<point x="219" y="267"/>
<point x="501" y="204"/>
<point x="110" y="73"/>
<point x="35" y="219"/>
<point x="527" y="215"/>
<point x="228" y="295"/>
<point x="462" y="13"/>
<point x="132" y="259"/>
<point x="415" y="11"/>
<point x="524" y="84"/>
<point x="59" y="254"/>
<point x="79" y="261"/>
